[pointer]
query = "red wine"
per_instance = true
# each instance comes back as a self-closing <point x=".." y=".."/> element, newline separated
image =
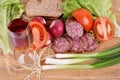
<point x="20" y="43"/>
<point x="19" y="33"/>
<point x="18" y="29"/>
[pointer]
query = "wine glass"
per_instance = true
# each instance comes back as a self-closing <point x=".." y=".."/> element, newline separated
<point x="19" y="35"/>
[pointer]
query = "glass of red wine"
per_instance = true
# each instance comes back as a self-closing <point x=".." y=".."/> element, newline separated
<point x="19" y="34"/>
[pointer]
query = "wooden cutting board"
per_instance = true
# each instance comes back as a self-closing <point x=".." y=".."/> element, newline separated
<point x="109" y="73"/>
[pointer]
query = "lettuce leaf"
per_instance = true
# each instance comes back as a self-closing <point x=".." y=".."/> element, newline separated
<point x="96" y="7"/>
<point x="9" y="10"/>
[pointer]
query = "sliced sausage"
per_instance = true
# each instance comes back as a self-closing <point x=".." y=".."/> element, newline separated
<point x="81" y="45"/>
<point x="87" y="40"/>
<point x="70" y="40"/>
<point x="61" y="45"/>
<point x="91" y="42"/>
<point x="90" y="39"/>
<point x="84" y="42"/>
<point x="75" y="45"/>
<point x="73" y="28"/>
<point x="92" y="47"/>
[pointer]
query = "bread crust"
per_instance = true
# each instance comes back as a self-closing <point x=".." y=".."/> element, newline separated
<point x="47" y="8"/>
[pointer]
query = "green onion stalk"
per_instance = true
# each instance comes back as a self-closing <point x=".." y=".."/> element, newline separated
<point x="102" y="63"/>
<point x="101" y="59"/>
<point x="50" y="60"/>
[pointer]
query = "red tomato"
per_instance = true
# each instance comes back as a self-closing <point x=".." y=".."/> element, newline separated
<point x="39" y="35"/>
<point x="103" y="29"/>
<point x="84" y="17"/>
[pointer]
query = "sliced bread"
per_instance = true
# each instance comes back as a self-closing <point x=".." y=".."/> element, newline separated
<point x="47" y="8"/>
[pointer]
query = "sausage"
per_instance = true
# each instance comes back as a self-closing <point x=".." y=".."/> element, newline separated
<point x="73" y="28"/>
<point x="90" y="39"/>
<point x="81" y="45"/>
<point x="92" y="47"/>
<point x="75" y="45"/>
<point x="84" y="42"/>
<point x="91" y="43"/>
<point x="87" y="40"/>
<point x="69" y="40"/>
<point x="61" y="45"/>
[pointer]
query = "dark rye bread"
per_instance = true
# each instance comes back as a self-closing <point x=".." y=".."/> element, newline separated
<point x="47" y="8"/>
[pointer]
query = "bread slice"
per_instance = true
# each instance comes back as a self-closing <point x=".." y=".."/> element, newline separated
<point x="47" y="8"/>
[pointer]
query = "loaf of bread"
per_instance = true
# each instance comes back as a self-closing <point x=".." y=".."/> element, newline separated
<point x="47" y="8"/>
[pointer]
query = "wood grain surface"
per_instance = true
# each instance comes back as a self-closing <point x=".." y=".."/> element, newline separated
<point x="109" y="73"/>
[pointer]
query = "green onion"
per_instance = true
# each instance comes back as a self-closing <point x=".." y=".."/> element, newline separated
<point x="66" y="61"/>
<point x="106" y="62"/>
<point x="98" y="64"/>
<point x="74" y="55"/>
<point x="101" y="59"/>
<point x="49" y="67"/>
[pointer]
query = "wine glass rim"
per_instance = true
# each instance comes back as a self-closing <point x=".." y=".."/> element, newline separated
<point x="21" y="19"/>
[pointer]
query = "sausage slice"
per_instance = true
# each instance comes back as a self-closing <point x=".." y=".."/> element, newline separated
<point x="61" y="45"/>
<point x="73" y="28"/>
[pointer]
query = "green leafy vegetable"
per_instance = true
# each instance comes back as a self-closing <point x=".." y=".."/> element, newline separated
<point x="96" y="7"/>
<point x="9" y="10"/>
<point x="69" y="6"/>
